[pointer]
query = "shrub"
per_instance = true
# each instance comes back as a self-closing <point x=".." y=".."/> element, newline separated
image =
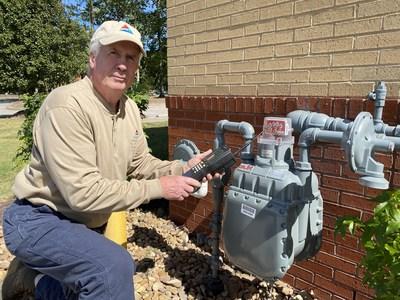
<point x="140" y="94"/>
<point x="32" y="104"/>
<point x="380" y="237"/>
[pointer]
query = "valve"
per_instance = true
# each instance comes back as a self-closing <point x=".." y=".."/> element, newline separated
<point x="360" y="142"/>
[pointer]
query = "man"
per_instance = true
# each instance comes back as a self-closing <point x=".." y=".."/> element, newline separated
<point x="89" y="158"/>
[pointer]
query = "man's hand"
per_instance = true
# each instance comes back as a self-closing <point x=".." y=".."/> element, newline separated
<point x="195" y="160"/>
<point x="178" y="187"/>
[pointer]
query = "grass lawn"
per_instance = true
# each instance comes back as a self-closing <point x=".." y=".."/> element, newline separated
<point x="157" y="133"/>
<point x="9" y="143"/>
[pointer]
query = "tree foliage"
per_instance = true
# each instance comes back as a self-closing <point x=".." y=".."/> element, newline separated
<point x="41" y="46"/>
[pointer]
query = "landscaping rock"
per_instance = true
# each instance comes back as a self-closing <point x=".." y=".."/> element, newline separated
<point x="171" y="265"/>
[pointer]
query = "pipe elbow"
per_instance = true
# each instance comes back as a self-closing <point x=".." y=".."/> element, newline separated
<point x="308" y="137"/>
<point x="246" y="130"/>
<point x="219" y="127"/>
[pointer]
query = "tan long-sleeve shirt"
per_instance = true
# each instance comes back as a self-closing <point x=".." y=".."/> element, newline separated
<point x="86" y="160"/>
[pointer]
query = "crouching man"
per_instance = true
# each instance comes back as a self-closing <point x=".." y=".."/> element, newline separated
<point x="89" y="158"/>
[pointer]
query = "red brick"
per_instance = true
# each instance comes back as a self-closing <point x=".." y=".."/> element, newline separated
<point x="334" y="297"/>
<point x="321" y="293"/>
<point x="396" y="157"/>
<point x="328" y="234"/>
<point x="196" y="103"/>
<point x="249" y="103"/>
<point x="366" y="216"/>
<point x="298" y="271"/>
<point x="204" y="125"/>
<point x="279" y="107"/>
<point x="230" y="105"/>
<point x="390" y="112"/>
<point x="206" y="101"/>
<point x="179" y="102"/>
<point x="259" y="121"/>
<point x="357" y="201"/>
<point x="168" y="101"/>
<point x="348" y="173"/>
<point x="337" y="288"/>
<point x="289" y="279"/>
<point x="355" y="107"/>
<point x="327" y="247"/>
<point x="342" y="184"/>
<point x="369" y="106"/>
<point x="194" y="115"/>
<point x="192" y="225"/>
<point x="259" y="103"/>
<point x="301" y="284"/>
<point x="348" y="253"/>
<point x="221" y="103"/>
<point x="329" y="221"/>
<point x="250" y="118"/>
<point x="186" y="123"/>
<point x="314" y="266"/>
<point x="338" y="210"/>
<point x="385" y="159"/>
<point x="308" y="103"/>
<point x="239" y="104"/>
<point x="396" y="179"/>
<point x="335" y="262"/>
<point x="330" y="194"/>
<point x="361" y="296"/>
<point x="339" y="108"/>
<point x="325" y="106"/>
<point x="291" y="104"/>
<point x="212" y="116"/>
<point x="175" y="114"/>
<point x="268" y="105"/>
<point x="334" y="153"/>
<point x="316" y="151"/>
<point x="326" y="167"/>
<point x="176" y="218"/>
<point x="352" y="282"/>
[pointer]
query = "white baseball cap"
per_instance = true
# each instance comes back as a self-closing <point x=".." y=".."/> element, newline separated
<point x="115" y="31"/>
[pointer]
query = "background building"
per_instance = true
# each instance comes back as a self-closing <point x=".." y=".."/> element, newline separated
<point x="243" y="60"/>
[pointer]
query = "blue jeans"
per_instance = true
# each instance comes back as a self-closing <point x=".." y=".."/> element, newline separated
<point x="80" y="263"/>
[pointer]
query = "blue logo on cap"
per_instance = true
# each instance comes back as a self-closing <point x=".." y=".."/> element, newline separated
<point x="126" y="28"/>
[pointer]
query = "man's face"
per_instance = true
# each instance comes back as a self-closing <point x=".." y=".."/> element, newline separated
<point x="113" y="69"/>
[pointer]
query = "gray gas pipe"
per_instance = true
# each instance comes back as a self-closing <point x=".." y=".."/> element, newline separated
<point x="360" y="138"/>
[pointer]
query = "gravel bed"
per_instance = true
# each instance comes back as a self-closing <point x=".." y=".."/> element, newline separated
<point x="171" y="264"/>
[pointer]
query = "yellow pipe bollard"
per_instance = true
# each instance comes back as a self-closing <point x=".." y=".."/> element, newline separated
<point x="116" y="228"/>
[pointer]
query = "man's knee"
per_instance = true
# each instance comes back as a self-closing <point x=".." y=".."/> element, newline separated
<point x="120" y="263"/>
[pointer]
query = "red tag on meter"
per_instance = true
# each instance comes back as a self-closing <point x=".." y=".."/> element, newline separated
<point x="276" y="126"/>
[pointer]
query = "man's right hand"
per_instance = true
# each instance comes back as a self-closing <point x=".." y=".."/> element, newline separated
<point x="178" y="187"/>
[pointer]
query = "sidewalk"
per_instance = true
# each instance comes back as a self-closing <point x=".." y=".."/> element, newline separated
<point x="10" y="106"/>
<point x="157" y="111"/>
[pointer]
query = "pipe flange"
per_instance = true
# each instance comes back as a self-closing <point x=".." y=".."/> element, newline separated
<point x="185" y="149"/>
<point x="357" y="138"/>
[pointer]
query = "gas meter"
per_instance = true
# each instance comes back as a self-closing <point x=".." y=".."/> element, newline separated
<point x="273" y="211"/>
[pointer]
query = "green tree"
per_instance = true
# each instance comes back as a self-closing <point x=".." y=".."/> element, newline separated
<point x="155" y="31"/>
<point x="41" y="46"/>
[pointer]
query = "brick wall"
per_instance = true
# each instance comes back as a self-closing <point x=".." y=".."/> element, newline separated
<point x="244" y="60"/>
<point x="333" y="273"/>
<point x="275" y="47"/>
